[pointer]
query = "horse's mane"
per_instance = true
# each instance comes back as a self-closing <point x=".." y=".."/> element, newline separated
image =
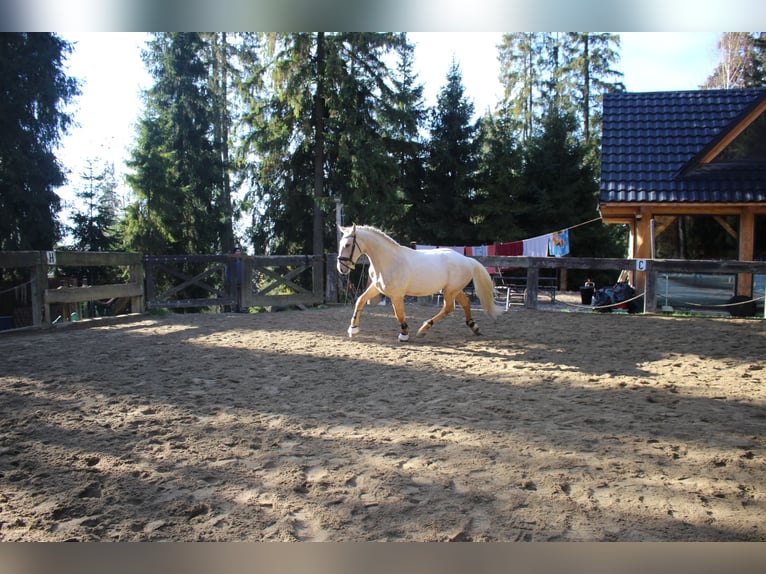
<point x="377" y="231"/>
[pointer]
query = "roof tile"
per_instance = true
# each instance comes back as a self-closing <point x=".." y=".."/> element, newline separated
<point x="648" y="138"/>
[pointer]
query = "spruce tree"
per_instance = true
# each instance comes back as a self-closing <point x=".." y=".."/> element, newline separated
<point x="315" y="126"/>
<point x="590" y="60"/>
<point x="34" y="92"/>
<point x="403" y="119"/>
<point x="445" y="215"/>
<point x="521" y="56"/>
<point x="176" y="171"/>
<point x="498" y="181"/>
<point x="93" y="226"/>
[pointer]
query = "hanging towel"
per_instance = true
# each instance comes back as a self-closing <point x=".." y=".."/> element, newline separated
<point x="491" y="250"/>
<point x="419" y="247"/>
<point x="512" y="249"/>
<point x="537" y="246"/>
<point x="478" y="251"/>
<point x="559" y="243"/>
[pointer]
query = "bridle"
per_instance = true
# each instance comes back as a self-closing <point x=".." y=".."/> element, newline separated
<point x="348" y="262"/>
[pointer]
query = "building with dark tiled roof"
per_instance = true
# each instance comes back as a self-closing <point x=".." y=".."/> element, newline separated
<point x="686" y="171"/>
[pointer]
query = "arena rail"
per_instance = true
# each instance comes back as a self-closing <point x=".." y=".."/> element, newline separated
<point x="651" y="267"/>
<point x="234" y="282"/>
<point x="291" y="286"/>
<point x="39" y="263"/>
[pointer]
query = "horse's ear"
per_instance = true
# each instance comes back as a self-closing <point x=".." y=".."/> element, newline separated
<point x="353" y="228"/>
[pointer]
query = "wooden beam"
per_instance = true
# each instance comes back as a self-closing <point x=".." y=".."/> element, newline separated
<point x="617" y="212"/>
<point x="728" y="228"/>
<point x="96" y="258"/>
<point x="734" y="133"/>
<point x="93" y="293"/>
<point x="746" y="249"/>
<point x="10" y="259"/>
<point x="664" y="223"/>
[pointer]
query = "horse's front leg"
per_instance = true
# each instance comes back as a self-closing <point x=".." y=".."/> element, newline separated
<point x="449" y="305"/>
<point x="369" y="293"/>
<point x="398" y="303"/>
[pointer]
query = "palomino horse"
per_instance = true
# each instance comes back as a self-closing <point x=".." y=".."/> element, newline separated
<point x="396" y="271"/>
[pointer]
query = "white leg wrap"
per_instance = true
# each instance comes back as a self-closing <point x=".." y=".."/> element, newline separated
<point x="403" y="337"/>
<point x="353" y="331"/>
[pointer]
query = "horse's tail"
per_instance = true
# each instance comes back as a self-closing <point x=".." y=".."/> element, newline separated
<point x="482" y="283"/>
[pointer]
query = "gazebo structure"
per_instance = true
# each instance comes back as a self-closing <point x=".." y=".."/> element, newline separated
<point x="686" y="171"/>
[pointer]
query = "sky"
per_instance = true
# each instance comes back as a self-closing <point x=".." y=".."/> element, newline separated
<point x="113" y="76"/>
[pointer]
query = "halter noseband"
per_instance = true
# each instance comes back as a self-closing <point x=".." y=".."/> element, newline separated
<point x="348" y="262"/>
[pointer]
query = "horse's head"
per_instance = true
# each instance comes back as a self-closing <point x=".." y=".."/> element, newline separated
<point x="348" y="250"/>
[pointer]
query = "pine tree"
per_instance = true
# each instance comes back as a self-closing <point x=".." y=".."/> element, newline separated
<point x="316" y="116"/>
<point x="445" y="216"/>
<point x="176" y="170"/>
<point x="220" y="79"/>
<point x="498" y="181"/>
<point x="569" y="71"/>
<point x="589" y="61"/>
<point x="93" y="227"/>
<point x="33" y="94"/>
<point x="520" y="56"/>
<point x="403" y="120"/>
<point x="559" y="189"/>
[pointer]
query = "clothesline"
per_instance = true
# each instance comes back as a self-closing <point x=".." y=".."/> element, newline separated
<point x="584" y="223"/>
<point x="555" y="242"/>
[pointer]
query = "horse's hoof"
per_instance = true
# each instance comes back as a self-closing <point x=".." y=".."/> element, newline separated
<point x="353" y="331"/>
<point x="403" y="338"/>
<point x="422" y="333"/>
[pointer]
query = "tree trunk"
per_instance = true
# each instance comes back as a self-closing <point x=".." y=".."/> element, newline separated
<point x="221" y="137"/>
<point x="586" y="89"/>
<point x="319" y="111"/>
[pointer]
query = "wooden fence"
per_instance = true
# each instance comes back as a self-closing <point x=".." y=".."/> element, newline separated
<point x="651" y="267"/>
<point x="239" y="281"/>
<point x="187" y="281"/>
<point x="233" y="281"/>
<point x="280" y="280"/>
<point x="43" y="298"/>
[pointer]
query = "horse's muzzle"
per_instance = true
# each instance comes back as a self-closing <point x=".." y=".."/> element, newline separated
<point x="345" y="265"/>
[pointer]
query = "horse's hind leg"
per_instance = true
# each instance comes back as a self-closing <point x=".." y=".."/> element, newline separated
<point x="449" y="305"/>
<point x="465" y="303"/>
<point x="398" y="304"/>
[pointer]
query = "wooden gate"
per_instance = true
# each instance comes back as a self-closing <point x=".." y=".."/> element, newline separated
<point x="282" y="280"/>
<point x="233" y="281"/>
<point x="180" y="281"/>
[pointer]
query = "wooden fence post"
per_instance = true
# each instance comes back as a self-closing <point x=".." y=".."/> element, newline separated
<point x="317" y="288"/>
<point x="39" y="278"/>
<point x="136" y="274"/>
<point x="331" y="290"/>
<point x="650" y="288"/>
<point x="533" y="275"/>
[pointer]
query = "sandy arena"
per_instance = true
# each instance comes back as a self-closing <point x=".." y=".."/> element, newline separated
<point x="277" y="426"/>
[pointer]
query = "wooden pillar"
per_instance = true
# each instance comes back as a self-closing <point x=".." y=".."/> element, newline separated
<point x="650" y="288"/>
<point x="331" y="279"/>
<point x="150" y="290"/>
<point x="746" y="248"/>
<point x="39" y="283"/>
<point x="136" y="275"/>
<point x="533" y="275"/>
<point x="642" y="246"/>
